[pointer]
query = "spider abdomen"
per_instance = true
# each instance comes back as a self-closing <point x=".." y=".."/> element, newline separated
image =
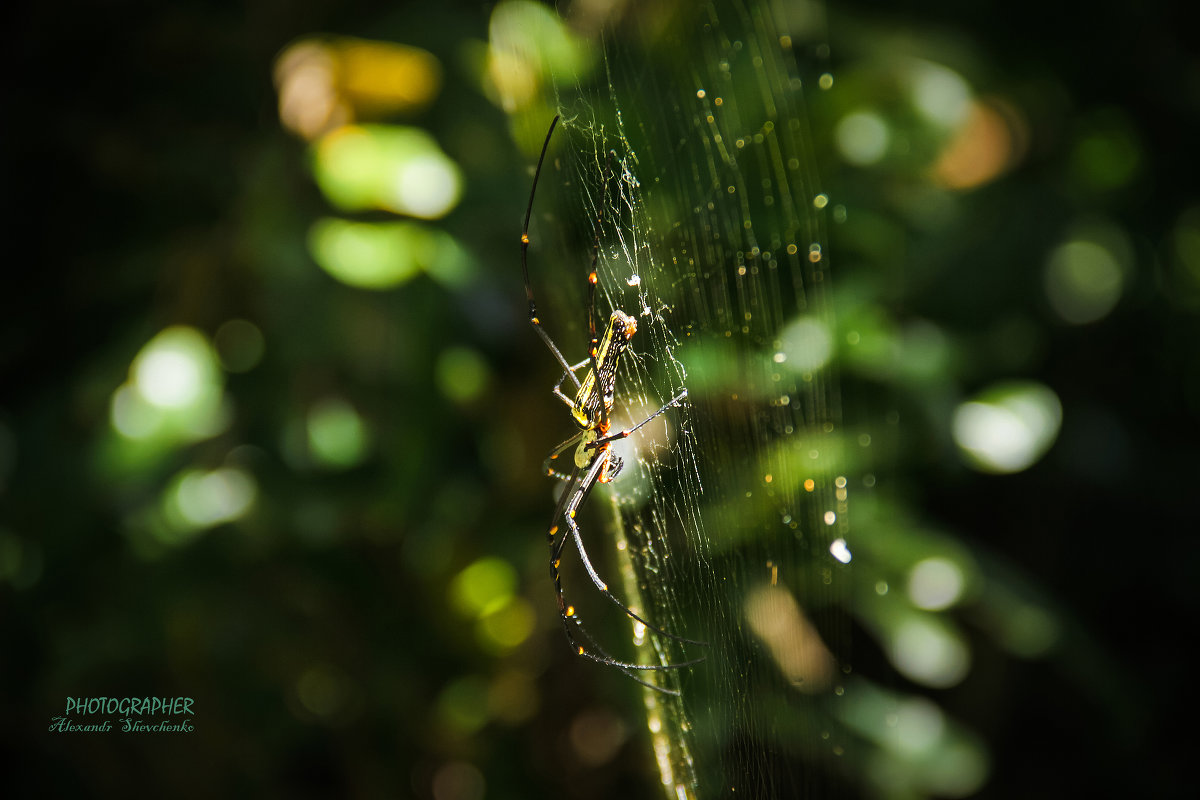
<point x="599" y="384"/>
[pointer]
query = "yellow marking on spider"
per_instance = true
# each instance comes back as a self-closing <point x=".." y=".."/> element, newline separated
<point x="570" y="611"/>
<point x="524" y="238"/>
<point x="605" y="353"/>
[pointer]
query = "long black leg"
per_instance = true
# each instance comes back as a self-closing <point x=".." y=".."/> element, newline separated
<point x="550" y="459"/>
<point x="604" y="658"/>
<point x="572" y="506"/>
<point x="557" y="390"/>
<point x="567" y="612"/>
<point x="595" y="343"/>
<point x="676" y="400"/>
<point x="533" y="316"/>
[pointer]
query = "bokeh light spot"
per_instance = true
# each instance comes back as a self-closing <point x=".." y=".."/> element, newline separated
<point x="427" y="186"/>
<point x="175" y="368"/>
<point x="326" y="84"/>
<point x="131" y="415"/>
<point x="365" y="255"/>
<point x="939" y="93"/>
<point x="204" y="499"/>
<point x="308" y="102"/>
<point x="393" y="168"/>
<point x="483" y="587"/>
<point x="383" y="255"/>
<point x="839" y="550"/>
<point x="385" y="77"/>
<point x="982" y="147"/>
<point x="935" y="584"/>
<point x="862" y="138"/>
<point x="174" y="392"/>
<point x="506" y="627"/>
<point x="528" y="42"/>
<point x="461" y="374"/>
<point x="1008" y="427"/>
<point x="1083" y="281"/>
<point x="337" y="435"/>
<point x="919" y="726"/>
<point x="793" y="641"/>
<point x="928" y="653"/>
<point x="806" y="344"/>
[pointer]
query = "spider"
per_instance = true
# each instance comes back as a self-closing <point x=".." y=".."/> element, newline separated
<point x="594" y="460"/>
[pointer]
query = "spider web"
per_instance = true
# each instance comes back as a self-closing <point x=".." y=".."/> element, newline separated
<point x="692" y="150"/>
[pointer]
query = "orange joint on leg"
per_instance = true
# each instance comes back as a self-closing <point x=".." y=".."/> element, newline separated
<point x="570" y="611"/>
<point x="524" y="238"/>
<point x="580" y="651"/>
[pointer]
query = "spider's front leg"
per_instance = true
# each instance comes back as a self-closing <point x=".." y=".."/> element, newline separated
<point x="569" y="373"/>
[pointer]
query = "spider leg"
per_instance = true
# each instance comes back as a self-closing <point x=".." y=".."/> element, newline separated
<point x="533" y="315"/>
<point x="593" y="460"/>
<point x="594" y="346"/>
<point x="554" y="454"/>
<point x="676" y="400"/>
<point x="569" y="617"/>
<point x="576" y="496"/>
<point x="600" y="656"/>
<point x="570" y="373"/>
<point x="567" y="612"/>
<point x="569" y="510"/>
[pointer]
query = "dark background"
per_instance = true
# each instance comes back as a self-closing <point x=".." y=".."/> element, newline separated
<point x="148" y="183"/>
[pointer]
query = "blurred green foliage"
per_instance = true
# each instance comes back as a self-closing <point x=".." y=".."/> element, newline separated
<point x="270" y="430"/>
